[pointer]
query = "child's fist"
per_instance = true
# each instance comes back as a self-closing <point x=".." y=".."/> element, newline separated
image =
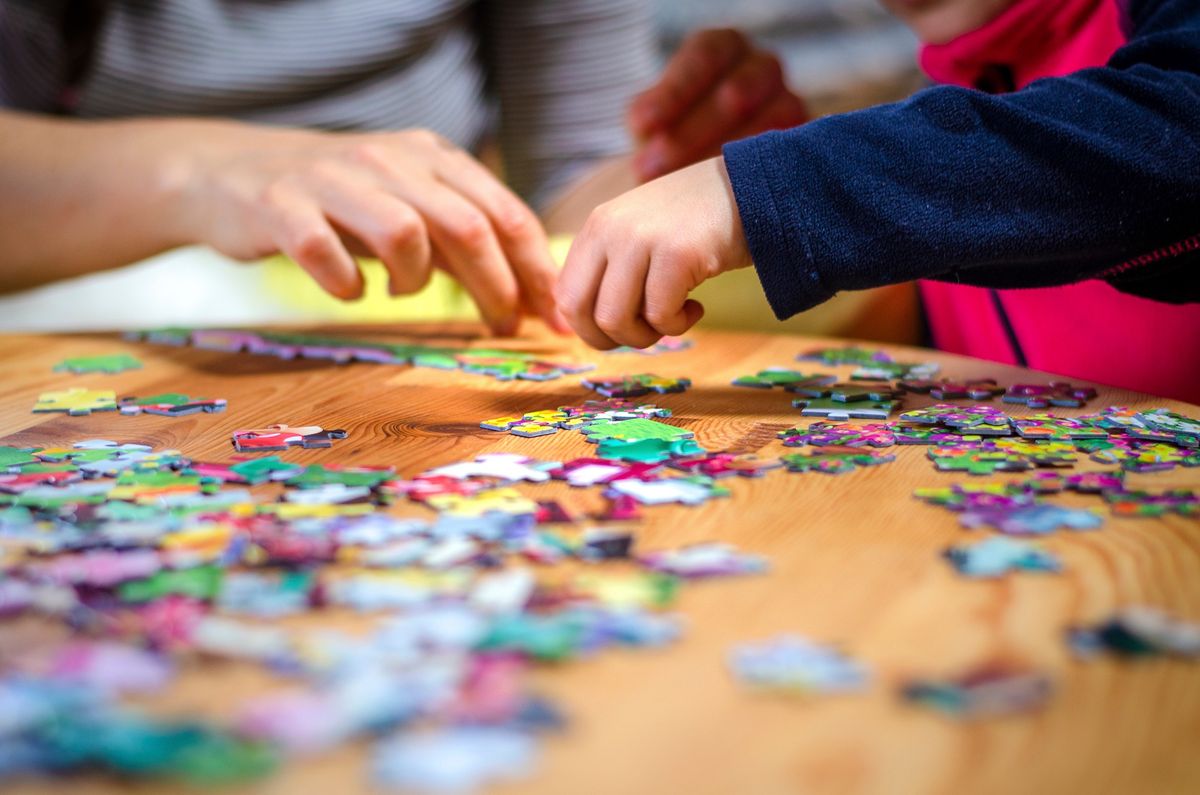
<point x="630" y="269"/>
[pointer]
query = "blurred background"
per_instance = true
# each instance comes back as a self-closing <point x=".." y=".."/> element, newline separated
<point x="838" y="54"/>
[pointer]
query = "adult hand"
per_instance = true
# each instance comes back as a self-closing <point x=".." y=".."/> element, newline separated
<point x="410" y="198"/>
<point x="718" y="87"/>
<point x="630" y="269"/>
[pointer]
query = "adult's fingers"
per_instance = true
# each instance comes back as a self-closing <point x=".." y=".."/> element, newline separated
<point x="463" y="236"/>
<point x="579" y="284"/>
<point x="740" y="96"/>
<point x="698" y="63"/>
<point x="390" y="228"/>
<point x="618" y="310"/>
<point x="302" y="232"/>
<point x="519" y="231"/>
<point x="784" y="111"/>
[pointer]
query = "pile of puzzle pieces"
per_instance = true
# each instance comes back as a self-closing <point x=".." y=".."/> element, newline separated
<point x="503" y="365"/>
<point x="981" y="439"/>
<point x="153" y="560"/>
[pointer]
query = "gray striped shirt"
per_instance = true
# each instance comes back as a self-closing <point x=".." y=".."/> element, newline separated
<point x="551" y="78"/>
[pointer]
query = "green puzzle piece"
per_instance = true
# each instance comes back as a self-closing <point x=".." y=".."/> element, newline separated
<point x="834" y="463"/>
<point x="77" y="402"/>
<point x="198" y="582"/>
<point x="317" y="475"/>
<point x="647" y="451"/>
<point x="634" y="430"/>
<point x="783" y="377"/>
<point x="980" y="462"/>
<point x="111" y="363"/>
<point x="16" y="456"/>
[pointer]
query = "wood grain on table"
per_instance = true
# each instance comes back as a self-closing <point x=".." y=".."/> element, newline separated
<point x="854" y="560"/>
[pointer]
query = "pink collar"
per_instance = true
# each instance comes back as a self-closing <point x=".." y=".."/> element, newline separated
<point x="1028" y="40"/>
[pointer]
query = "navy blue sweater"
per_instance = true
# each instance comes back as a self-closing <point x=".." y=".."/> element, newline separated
<point x="1093" y="175"/>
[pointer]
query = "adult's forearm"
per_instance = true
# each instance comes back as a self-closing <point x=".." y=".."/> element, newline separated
<point x="79" y="196"/>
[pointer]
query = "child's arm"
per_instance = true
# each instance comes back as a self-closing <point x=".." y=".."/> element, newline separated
<point x="1063" y="181"/>
<point x="78" y="196"/>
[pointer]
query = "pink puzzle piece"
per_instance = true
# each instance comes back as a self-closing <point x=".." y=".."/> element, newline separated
<point x="281" y="437"/>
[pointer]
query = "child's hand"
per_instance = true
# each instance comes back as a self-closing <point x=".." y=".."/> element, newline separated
<point x="716" y="88"/>
<point x="629" y="272"/>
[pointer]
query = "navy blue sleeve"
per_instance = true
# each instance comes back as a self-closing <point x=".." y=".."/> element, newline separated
<point x="1061" y="181"/>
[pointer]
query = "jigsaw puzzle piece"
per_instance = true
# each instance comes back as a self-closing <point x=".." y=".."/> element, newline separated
<point x="835" y="460"/>
<point x="999" y="555"/>
<point x="839" y="410"/>
<point x="281" y="437"/>
<point x="110" y="363"/>
<point x="77" y="401"/>
<point x="1056" y="393"/>
<point x="821" y="434"/>
<point x="171" y="404"/>
<point x="783" y="377"/>
<point x="947" y="389"/>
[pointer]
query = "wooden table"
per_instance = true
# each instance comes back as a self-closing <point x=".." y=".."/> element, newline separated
<point x="854" y="560"/>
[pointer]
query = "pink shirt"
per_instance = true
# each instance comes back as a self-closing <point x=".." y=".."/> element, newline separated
<point x="1088" y="330"/>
